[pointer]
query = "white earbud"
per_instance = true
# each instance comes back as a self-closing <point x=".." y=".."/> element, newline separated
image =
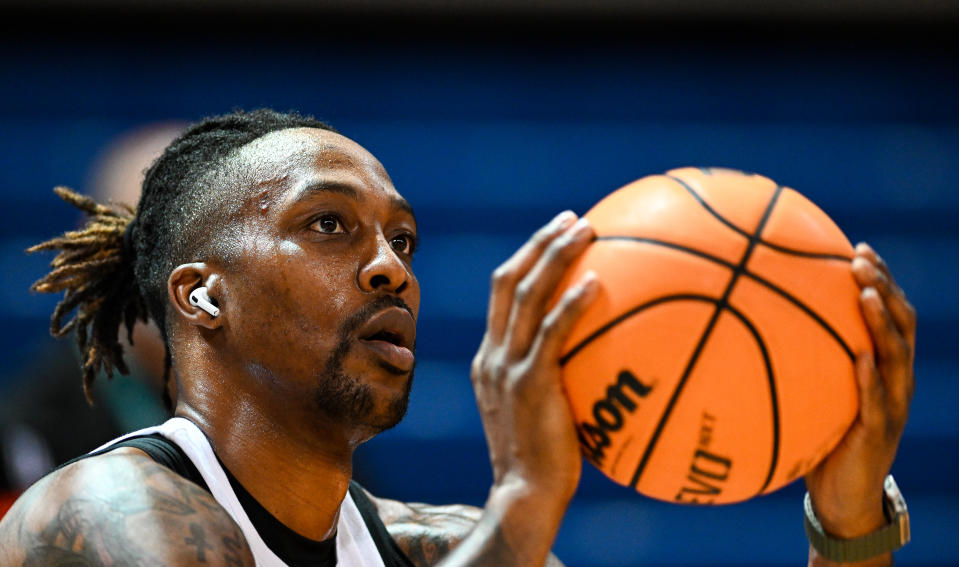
<point x="200" y="298"/>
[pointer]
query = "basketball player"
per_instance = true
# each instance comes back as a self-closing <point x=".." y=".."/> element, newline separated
<point x="275" y="256"/>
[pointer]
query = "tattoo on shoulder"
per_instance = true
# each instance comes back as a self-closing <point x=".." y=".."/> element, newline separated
<point x="136" y="518"/>
<point x="86" y="532"/>
<point x="197" y="539"/>
<point x="234" y="547"/>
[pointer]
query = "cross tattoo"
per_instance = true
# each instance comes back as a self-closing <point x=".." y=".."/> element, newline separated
<point x="199" y="540"/>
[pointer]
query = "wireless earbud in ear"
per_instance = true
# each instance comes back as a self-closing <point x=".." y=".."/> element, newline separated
<point x="200" y="298"/>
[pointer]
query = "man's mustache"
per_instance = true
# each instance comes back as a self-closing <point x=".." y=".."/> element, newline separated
<point x="362" y="315"/>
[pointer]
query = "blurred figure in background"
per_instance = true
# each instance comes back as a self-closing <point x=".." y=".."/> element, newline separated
<point x="45" y="419"/>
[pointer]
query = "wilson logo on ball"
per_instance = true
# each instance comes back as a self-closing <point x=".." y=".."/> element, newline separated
<point x="607" y="417"/>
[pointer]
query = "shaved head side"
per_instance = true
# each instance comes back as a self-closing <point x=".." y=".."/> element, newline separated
<point x="193" y="195"/>
<point x="114" y="271"/>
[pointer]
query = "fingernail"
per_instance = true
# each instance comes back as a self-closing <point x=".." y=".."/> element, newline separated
<point x="581" y="228"/>
<point x="870" y="294"/>
<point x="564" y="219"/>
<point x="589" y="281"/>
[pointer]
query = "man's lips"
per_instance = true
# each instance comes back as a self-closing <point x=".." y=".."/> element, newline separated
<point x="391" y="334"/>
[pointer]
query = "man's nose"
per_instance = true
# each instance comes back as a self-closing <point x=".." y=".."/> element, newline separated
<point x="384" y="270"/>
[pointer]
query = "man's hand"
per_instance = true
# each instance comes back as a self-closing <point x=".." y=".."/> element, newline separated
<point x="847" y="487"/>
<point x="516" y="373"/>
<point x="527" y="420"/>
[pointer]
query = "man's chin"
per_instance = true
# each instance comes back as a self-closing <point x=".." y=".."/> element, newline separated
<point x="373" y="403"/>
<point x="394" y="410"/>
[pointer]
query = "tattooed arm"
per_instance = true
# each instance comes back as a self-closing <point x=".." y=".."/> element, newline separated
<point x="427" y="533"/>
<point x="120" y="508"/>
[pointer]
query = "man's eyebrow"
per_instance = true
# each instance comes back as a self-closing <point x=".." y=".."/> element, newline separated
<point x="404" y="205"/>
<point x="320" y="187"/>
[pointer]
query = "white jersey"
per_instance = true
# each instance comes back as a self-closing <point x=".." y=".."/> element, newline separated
<point x="354" y="545"/>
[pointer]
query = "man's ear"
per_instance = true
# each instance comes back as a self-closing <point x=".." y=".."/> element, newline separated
<point x="183" y="280"/>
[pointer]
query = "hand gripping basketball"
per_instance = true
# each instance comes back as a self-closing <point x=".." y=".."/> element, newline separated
<point x="526" y="418"/>
<point x="516" y="373"/>
<point x="846" y="488"/>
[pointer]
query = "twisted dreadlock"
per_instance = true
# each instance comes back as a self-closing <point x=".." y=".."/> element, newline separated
<point x="90" y="270"/>
<point x="114" y="271"/>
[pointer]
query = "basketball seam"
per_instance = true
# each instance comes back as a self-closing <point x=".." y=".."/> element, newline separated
<point x="755" y="277"/>
<point x="622" y="317"/>
<point x="783" y="249"/>
<point x="721" y="304"/>
<point x="767" y="362"/>
<point x="773" y="395"/>
<point x="804" y="254"/>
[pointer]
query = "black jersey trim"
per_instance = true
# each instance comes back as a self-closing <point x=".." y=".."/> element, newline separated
<point x="391" y="553"/>
<point x="158" y="448"/>
<point x="292" y="548"/>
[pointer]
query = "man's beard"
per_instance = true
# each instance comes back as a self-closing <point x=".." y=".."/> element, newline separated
<point x="344" y="398"/>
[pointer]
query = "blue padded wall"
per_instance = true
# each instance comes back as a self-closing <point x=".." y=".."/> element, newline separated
<point x="488" y="142"/>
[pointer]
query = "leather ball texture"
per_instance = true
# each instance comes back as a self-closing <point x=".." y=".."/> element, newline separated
<point x="717" y="363"/>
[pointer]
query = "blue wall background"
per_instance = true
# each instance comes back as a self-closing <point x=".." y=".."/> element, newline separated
<point x="488" y="140"/>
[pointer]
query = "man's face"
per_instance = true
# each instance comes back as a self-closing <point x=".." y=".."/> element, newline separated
<point x="321" y="303"/>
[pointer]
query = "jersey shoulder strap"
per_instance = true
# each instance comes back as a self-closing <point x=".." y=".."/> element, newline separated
<point x="158" y="448"/>
<point x="167" y="453"/>
<point x="391" y="553"/>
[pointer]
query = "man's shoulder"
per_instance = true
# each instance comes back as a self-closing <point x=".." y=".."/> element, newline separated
<point x="118" y="508"/>
<point x="426" y="532"/>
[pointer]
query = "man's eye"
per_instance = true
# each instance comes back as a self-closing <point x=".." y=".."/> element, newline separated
<point x="328" y="224"/>
<point x="404" y="244"/>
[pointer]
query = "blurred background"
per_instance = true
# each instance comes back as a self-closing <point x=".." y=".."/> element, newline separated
<point x="491" y="117"/>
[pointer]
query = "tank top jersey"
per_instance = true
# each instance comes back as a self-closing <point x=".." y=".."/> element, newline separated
<point x="361" y="538"/>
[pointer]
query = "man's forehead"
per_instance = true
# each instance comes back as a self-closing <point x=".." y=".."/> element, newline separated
<point x="277" y="153"/>
<point x="279" y="162"/>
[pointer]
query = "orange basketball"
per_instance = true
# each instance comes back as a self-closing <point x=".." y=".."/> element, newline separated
<point x="717" y="363"/>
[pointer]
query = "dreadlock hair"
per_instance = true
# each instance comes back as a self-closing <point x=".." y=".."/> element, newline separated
<point x="114" y="270"/>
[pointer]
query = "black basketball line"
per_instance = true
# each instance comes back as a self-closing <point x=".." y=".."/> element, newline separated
<point x="699" y="199"/>
<point x="755" y="277"/>
<point x="773" y="395"/>
<point x="741" y="232"/>
<point x="626" y="315"/>
<point x="767" y="362"/>
<point x="661" y="425"/>
<point x="722" y="304"/>
<point x="814" y="255"/>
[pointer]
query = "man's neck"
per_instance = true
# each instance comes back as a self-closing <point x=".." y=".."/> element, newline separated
<point x="300" y="478"/>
